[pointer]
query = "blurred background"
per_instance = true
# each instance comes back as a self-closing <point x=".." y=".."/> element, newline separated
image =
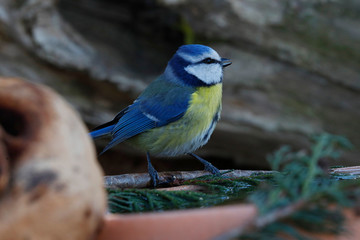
<point x="295" y="71"/>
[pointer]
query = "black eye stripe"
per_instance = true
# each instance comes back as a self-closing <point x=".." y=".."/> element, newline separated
<point x="209" y="61"/>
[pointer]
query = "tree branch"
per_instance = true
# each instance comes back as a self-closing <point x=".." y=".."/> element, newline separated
<point x="142" y="180"/>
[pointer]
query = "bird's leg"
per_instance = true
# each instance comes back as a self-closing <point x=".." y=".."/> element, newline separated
<point x="154" y="176"/>
<point x="208" y="166"/>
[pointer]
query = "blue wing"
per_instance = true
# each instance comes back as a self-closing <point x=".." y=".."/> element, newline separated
<point x="161" y="103"/>
<point x="106" y="128"/>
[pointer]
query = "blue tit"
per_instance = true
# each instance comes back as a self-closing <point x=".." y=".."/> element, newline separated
<point x="177" y="112"/>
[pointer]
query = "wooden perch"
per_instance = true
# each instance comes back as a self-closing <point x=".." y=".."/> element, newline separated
<point x="353" y="171"/>
<point x="142" y="180"/>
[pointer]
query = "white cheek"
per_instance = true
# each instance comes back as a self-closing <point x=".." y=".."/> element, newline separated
<point x="208" y="73"/>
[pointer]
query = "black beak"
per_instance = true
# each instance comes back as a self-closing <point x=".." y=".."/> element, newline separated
<point x="225" y="62"/>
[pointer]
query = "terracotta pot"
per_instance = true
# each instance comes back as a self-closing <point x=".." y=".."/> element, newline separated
<point x="201" y="224"/>
<point x="197" y="224"/>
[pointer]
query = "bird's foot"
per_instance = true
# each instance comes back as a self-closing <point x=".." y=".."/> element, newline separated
<point x="208" y="166"/>
<point x="154" y="176"/>
<point x="211" y="168"/>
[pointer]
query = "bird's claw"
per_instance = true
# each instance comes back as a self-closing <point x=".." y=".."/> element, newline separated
<point x="210" y="168"/>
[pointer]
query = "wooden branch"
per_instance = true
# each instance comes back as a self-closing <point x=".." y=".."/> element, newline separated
<point x="194" y="188"/>
<point x="353" y="171"/>
<point x="142" y="180"/>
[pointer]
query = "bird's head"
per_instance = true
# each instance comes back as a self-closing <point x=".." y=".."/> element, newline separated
<point x="196" y="65"/>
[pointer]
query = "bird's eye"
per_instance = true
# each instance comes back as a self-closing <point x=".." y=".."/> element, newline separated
<point x="209" y="60"/>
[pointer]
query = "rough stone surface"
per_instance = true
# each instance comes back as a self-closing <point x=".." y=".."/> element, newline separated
<point x="295" y="72"/>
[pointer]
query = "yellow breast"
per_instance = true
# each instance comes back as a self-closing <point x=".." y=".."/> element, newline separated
<point x="204" y="104"/>
<point x="189" y="132"/>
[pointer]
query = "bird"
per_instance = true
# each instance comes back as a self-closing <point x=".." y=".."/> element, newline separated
<point x="177" y="112"/>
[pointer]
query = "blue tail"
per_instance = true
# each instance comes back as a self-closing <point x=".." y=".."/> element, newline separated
<point x="101" y="132"/>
